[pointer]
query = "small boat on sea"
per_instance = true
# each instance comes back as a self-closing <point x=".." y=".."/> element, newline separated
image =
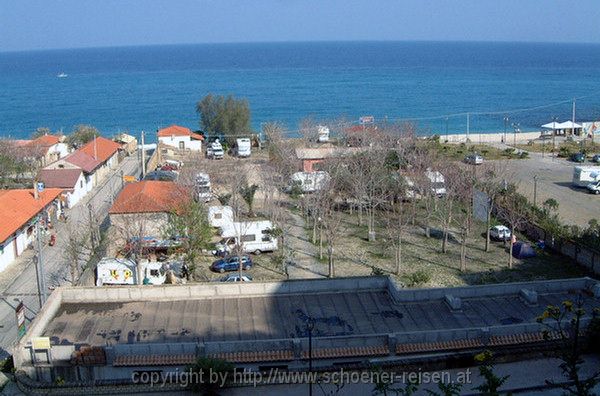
<point x="62" y="75"/>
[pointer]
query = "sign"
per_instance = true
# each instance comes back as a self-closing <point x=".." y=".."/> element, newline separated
<point x="20" y="313"/>
<point x="40" y="186"/>
<point x="481" y="205"/>
<point x="40" y="343"/>
<point x="129" y="179"/>
<point x="366" y="120"/>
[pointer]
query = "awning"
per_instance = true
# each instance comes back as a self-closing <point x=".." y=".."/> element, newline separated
<point x="569" y="125"/>
<point x="552" y="125"/>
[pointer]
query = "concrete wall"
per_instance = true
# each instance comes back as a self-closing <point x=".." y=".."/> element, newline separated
<point x="175" y="141"/>
<point x="476" y="138"/>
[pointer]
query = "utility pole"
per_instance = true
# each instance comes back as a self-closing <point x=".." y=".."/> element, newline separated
<point x="447" y="129"/>
<point x="39" y="264"/>
<point x="505" y="126"/>
<point x="468" y="125"/>
<point x="573" y="129"/>
<point x="516" y="129"/>
<point x="554" y="136"/>
<point x="535" y="179"/>
<point x="92" y="231"/>
<point x="143" y="157"/>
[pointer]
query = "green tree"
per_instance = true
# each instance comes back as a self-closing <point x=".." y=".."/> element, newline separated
<point x="565" y="320"/>
<point x="226" y="117"/>
<point x="247" y="192"/>
<point x="492" y="382"/>
<point x="207" y="374"/>
<point x="81" y="135"/>
<point x="190" y="222"/>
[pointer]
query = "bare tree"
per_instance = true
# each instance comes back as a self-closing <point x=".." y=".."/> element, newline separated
<point x="513" y="208"/>
<point x="491" y="181"/>
<point x="77" y="250"/>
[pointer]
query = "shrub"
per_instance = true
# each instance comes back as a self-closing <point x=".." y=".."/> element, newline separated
<point x="418" y="277"/>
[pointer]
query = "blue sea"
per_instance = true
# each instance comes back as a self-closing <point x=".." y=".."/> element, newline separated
<point x="145" y="88"/>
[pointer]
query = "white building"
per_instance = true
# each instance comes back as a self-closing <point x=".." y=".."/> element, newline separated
<point x="18" y="212"/>
<point x="181" y="138"/>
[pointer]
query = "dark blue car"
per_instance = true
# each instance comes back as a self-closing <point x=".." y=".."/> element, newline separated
<point x="231" y="263"/>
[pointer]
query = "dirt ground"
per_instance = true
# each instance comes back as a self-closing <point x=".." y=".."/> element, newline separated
<point x="355" y="256"/>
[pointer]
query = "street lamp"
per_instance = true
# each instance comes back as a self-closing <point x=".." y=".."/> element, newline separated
<point x="554" y="136"/>
<point x="505" y="126"/>
<point x="310" y="325"/>
<point x="535" y="179"/>
<point x="516" y="129"/>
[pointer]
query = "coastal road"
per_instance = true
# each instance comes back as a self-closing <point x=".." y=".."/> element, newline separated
<point x="18" y="282"/>
<point x="554" y="176"/>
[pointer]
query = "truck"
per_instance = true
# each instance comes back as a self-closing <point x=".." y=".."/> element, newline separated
<point x="121" y="271"/>
<point x="584" y="175"/>
<point x="243" y="147"/>
<point x="309" y="181"/>
<point x="220" y="216"/>
<point x="256" y="237"/>
<point x="202" y="187"/>
<point x="214" y="150"/>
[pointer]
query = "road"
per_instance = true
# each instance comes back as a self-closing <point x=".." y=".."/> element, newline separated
<point x="554" y="176"/>
<point x="18" y="282"/>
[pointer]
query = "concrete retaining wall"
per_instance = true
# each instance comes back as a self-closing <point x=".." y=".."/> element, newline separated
<point x="477" y="138"/>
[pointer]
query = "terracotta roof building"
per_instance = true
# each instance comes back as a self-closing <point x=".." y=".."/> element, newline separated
<point x="18" y="208"/>
<point x="45" y="149"/>
<point x="180" y="137"/>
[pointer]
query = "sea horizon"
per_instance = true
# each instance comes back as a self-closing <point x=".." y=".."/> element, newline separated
<point x="134" y="88"/>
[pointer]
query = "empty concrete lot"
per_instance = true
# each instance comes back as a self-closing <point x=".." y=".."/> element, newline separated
<point x="554" y="176"/>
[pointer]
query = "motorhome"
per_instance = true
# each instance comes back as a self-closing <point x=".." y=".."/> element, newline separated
<point x="214" y="150"/>
<point x="243" y="147"/>
<point x="202" y="187"/>
<point x="256" y="237"/>
<point x="584" y="175"/>
<point x="437" y="182"/>
<point x="323" y="134"/>
<point x="116" y="271"/>
<point x="309" y="181"/>
<point x="220" y="216"/>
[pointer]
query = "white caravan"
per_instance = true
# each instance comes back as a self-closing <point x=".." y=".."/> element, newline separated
<point x="202" y="187"/>
<point x="255" y="237"/>
<point x="243" y="147"/>
<point x="116" y="271"/>
<point x="310" y="181"/>
<point x="437" y="182"/>
<point x="214" y="150"/>
<point x="323" y="134"/>
<point x="220" y="216"/>
<point x="584" y="175"/>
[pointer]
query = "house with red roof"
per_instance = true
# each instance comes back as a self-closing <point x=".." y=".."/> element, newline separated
<point x="181" y="138"/>
<point x="44" y="149"/>
<point x="143" y="208"/>
<point x="19" y="211"/>
<point x="95" y="160"/>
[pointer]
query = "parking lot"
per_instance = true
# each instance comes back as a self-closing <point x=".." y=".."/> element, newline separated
<point x="554" y="176"/>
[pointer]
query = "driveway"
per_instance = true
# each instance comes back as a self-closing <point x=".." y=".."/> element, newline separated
<point x="18" y="282"/>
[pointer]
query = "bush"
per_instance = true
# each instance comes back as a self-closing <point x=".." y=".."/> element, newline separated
<point x="418" y="278"/>
<point x="205" y="367"/>
<point x="524" y="154"/>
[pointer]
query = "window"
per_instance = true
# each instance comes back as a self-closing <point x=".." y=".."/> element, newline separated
<point x="248" y="238"/>
<point x="218" y="216"/>
<point x="182" y="145"/>
<point x="81" y="184"/>
<point x="154" y="272"/>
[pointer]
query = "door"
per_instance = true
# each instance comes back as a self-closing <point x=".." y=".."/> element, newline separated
<point x="182" y="145"/>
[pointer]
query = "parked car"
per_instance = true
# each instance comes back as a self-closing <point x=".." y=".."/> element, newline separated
<point x="594" y="187"/>
<point x="578" y="157"/>
<point x="231" y="263"/>
<point x="236" y="278"/>
<point x="500" y="233"/>
<point x="474" y="159"/>
<point x="596" y="158"/>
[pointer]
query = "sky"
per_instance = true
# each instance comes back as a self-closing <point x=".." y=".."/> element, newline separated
<point x="42" y="24"/>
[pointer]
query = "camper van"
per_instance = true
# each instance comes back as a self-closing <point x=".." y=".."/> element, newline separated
<point x="584" y="175"/>
<point x="309" y="181"/>
<point x="323" y="134"/>
<point x="214" y="150"/>
<point x="437" y="182"/>
<point x="202" y="187"/>
<point x="220" y="216"/>
<point x="115" y="271"/>
<point x="255" y="237"/>
<point x="243" y="147"/>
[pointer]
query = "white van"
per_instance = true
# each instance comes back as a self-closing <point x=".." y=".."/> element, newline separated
<point x="437" y="182"/>
<point x="255" y="237"/>
<point x="323" y="134"/>
<point x="584" y="175"/>
<point x="116" y="271"/>
<point x="214" y="150"/>
<point x="310" y="181"/>
<point x="220" y="216"/>
<point x="202" y="187"/>
<point x="243" y="147"/>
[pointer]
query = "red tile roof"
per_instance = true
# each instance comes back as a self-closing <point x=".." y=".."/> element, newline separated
<point x="60" y="178"/>
<point x="176" y="130"/>
<point x="45" y="140"/>
<point x="18" y="207"/>
<point x="150" y="196"/>
<point x="82" y="160"/>
<point x="101" y="150"/>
